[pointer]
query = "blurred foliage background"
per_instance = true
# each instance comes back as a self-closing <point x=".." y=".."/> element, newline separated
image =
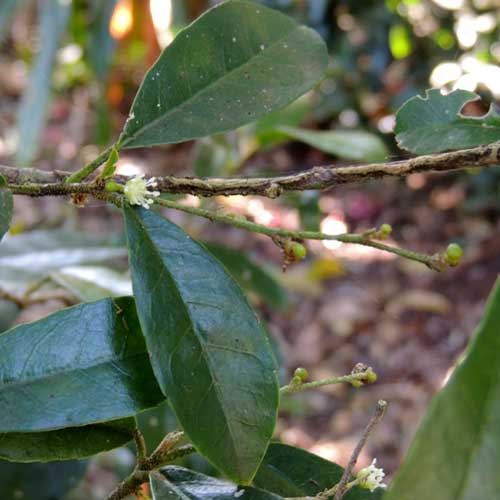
<point x="69" y="71"/>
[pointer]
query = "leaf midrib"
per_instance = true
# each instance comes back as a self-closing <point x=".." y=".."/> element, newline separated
<point x="213" y="83"/>
<point x="206" y="356"/>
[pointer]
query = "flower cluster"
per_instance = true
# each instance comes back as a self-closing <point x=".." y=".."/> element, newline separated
<point x="371" y="477"/>
<point x="137" y="191"/>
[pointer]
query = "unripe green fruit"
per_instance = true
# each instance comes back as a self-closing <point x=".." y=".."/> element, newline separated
<point x="298" y="250"/>
<point x="301" y="373"/>
<point x="386" y="229"/>
<point x="453" y="254"/>
<point x="371" y="376"/>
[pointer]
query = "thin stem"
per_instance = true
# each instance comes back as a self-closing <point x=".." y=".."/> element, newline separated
<point x="331" y="492"/>
<point x="164" y="454"/>
<point x="10" y="297"/>
<point x="163" y="450"/>
<point x="140" y="445"/>
<point x="34" y="287"/>
<point x="434" y="262"/>
<point x="91" y="167"/>
<point x="341" y="487"/>
<point x="179" y="452"/>
<point x="129" y="485"/>
<point x="292" y="388"/>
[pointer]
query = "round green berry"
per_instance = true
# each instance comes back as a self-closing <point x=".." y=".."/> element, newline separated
<point x="298" y="250"/>
<point x="386" y="229"/>
<point x="301" y="373"/>
<point x="371" y="376"/>
<point x="453" y="254"/>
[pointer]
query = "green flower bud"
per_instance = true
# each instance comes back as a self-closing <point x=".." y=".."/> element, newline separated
<point x="371" y="376"/>
<point x="385" y="229"/>
<point x="298" y="250"/>
<point x="453" y="254"/>
<point x="113" y="187"/>
<point x="301" y="373"/>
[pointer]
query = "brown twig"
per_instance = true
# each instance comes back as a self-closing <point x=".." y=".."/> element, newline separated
<point x="377" y="416"/>
<point x="318" y="178"/>
<point x="164" y="454"/>
<point x="140" y="445"/>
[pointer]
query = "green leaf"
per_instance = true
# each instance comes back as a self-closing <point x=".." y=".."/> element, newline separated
<point x="78" y="366"/>
<point x="250" y="275"/>
<point x="348" y="144"/>
<point x="293" y="472"/>
<point x="110" y="165"/>
<point x="6" y="207"/>
<point x="236" y="63"/>
<point x="66" y="444"/>
<point x="177" y="483"/>
<point x="434" y="123"/>
<point x="39" y="481"/>
<point x="88" y="283"/>
<point x="209" y="352"/>
<point x="31" y="117"/>
<point x="454" y="454"/>
<point x="33" y="255"/>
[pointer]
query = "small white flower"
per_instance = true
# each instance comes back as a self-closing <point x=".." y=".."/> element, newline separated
<point x="137" y="192"/>
<point x="371" y="477"/>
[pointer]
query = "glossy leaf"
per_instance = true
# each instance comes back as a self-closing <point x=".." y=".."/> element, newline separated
<point x="88" y="283"/>
<point x="454" y="454"/>
<point x="6" y="207"/>
<point x="250" y="275"/>
<point x="233" y="65"/>
<point x="54" y="15"/>
<point x="66" y="444"/>
<point x="81" y="365"/>
<point x="434" y="123"/>
<point x="208" y="350"/>
<point x="348" y="144"/>
<point x="177" y="483"/>
<point x="293" y="472"/>
<point x="39" y="481"/>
